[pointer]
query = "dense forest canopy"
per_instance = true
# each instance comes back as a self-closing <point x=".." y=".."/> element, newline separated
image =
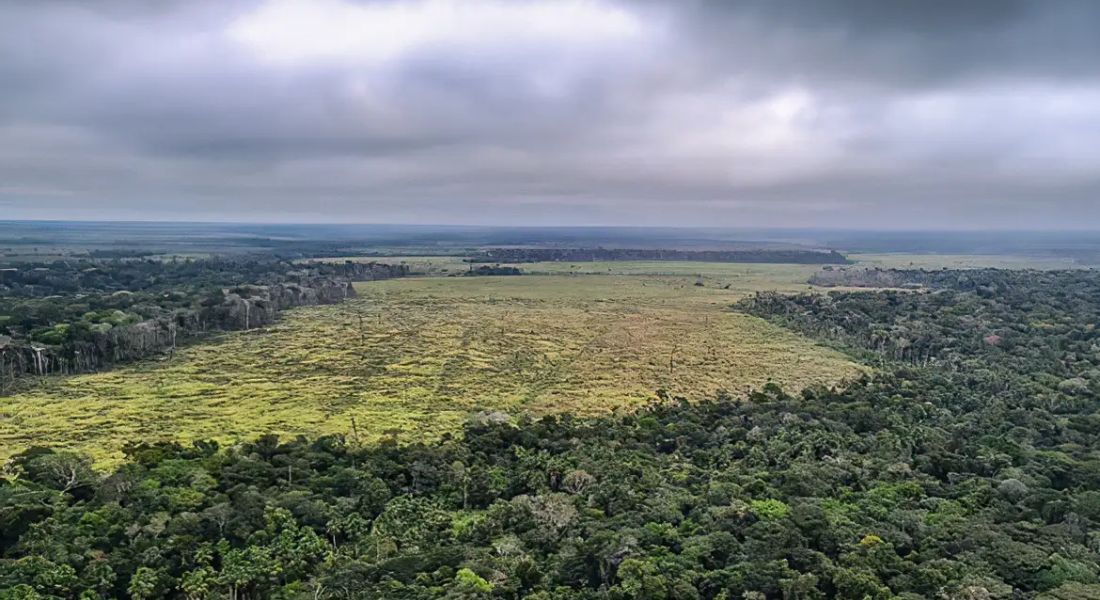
<point x="71" y="316"/>
<point x="967" y="467"/>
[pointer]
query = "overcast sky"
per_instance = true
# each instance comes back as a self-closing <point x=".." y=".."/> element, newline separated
<point x="784" y="113"/>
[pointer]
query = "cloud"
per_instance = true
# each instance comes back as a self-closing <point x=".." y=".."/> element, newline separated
<point x="750" y="112"/>
<point x="300" y="32"/>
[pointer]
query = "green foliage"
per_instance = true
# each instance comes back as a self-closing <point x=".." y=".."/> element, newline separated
<point x="769" y="509"/>
<point x="86" y="315"/>
<point x="470" y="585"/>
<point x="145" y="583"/>
<point x="962" y="470"/>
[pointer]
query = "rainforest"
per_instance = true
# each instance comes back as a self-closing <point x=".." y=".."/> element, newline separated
<point x="622" y="428"/>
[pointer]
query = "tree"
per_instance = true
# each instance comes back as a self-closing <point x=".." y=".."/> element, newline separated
<point x="469" y="585"/>
<point x="145" y="583"/>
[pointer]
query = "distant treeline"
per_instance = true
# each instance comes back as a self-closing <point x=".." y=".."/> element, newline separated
<point x="122" y="253"/>
<point x="976" y="280"/>
<point x="522" y="255"/>
<point x="77" y="316"/>
<point x="486" y="270"/>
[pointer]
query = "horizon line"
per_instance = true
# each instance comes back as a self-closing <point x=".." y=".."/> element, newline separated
<point x="557" y="226"/>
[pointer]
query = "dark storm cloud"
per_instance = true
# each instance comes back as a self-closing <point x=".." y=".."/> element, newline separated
<point x="907" y="42"/>
<point x="765" y="112"/>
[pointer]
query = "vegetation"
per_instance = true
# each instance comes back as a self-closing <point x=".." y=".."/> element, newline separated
<point x="487" y="270"/>
<point x="84" y="315"/>
<point x="1041" y="326"/>
<point x="736" y="277"/>
<point x="898" y="260"/>
<point x="965" y="468"/>
<point x="722" y="273"/>
<point x="749" y="255"/>
<point x="411" y="358"/>
<point x="434" y="265"/>
<point x="986" y="280"/>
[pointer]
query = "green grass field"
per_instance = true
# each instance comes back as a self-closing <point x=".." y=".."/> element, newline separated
<point x="413" y="358"/>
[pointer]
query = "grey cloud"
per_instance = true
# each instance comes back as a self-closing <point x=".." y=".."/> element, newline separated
<point x="908" y="42"/>
<point x="750" y="112"/>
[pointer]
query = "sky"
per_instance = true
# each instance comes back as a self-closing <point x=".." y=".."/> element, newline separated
<point x="907" y="114"/>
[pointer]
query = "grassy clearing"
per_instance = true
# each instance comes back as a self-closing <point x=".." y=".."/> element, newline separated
<point x="413" y="357"/>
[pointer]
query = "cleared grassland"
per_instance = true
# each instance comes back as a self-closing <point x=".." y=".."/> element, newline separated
<point x="413" y="358"/>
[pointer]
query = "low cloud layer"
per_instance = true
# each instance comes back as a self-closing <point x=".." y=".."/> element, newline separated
<point x="836" y="113"/>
